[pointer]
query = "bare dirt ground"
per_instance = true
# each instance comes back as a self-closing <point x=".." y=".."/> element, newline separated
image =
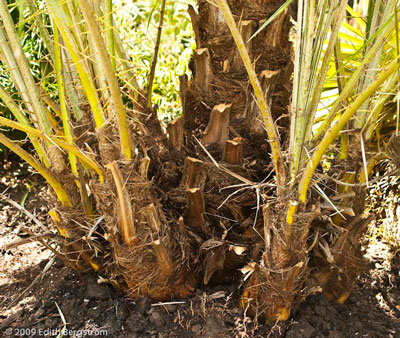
<point x="39" y="300"/>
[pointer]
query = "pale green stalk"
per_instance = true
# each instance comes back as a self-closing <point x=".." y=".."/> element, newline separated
<point x="100" y="77"/>
<point x="373" y="16"/>
<point x="379" y="104"/>
<point x="340" y="74"/>
<point x="23" y="65"/>
<point x="336" y="12"/>
<point x="75" y="23"/>
<point x="335" y="129"/>
<point x="302" y="78"/>
<point x="296" y="82"/>
<point x="69" y="9"/>
<point x="340" y="78"/>
<point x="79" y="62"/>
<point x="310" y="72"/>
<point x="75" y="96"/>
<point x="377" y="19"/>
<point x="94" y="60"/>
<point x="110" y="31"/>
<point x="116" y="97"/>
<point x="63" y="103"/>
<point x="21" y="21"/>
<point x="10" y="103"/>
<point x="21" y="118"/>
<point x="381" y="37"/>
<point x="11" y="65"/>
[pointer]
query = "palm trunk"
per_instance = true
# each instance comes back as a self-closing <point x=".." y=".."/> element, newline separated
<point x="201" y="203"/>
<point x="219" y="108"/>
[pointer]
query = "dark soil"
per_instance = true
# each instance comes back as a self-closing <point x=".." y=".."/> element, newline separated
<point x="34" y="297"/>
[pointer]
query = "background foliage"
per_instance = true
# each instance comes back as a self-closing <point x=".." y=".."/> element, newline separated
<point x="137" y="22"/>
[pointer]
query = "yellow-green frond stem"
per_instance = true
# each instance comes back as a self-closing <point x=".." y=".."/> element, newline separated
<point x="337" y="11"/>
<point x="344" y="146"/>
<point x="53" y="123"/>
<point x="291" y="211"/>
<point x="21" y="21"/>
<point x="86" y="80"/>
<point x="79" y="62"/>
<point x="8" y="59"/>
<point x="101" y="80"/>
<point x="335" y="129"/>
<point x="318" y="21"/>
<point x="48" y="176"/>
<point x="53" y="106"/>
<point x="21" y="118"/>
<point x="63" y="104"/>
<point x="116" y="96"/>
<point x="387" y="93"/>
<point x="301" y="84"/>
<point x="23" y="65"/>
<point x="73" y="95"/>
<point x="351" y="84"/>
<point x="110" y="31"/>
<point x="85" y="45"/>
<point x="67" y="127"/>
<point x="273" y="137"/>
<point x="75" y="23"/>
<point x="57" y="141"/>
<point x="382" y="13"/>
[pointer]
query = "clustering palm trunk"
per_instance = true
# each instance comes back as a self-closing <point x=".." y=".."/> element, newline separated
<point x="203" y="199"/>
<point x="221" y="110"/>
<point x="214" y="198"/>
